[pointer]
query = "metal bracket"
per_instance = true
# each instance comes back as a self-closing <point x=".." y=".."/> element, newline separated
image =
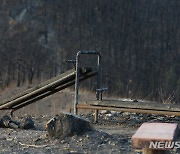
<point x="72" y="62"/>
<point x="101" y="90"/>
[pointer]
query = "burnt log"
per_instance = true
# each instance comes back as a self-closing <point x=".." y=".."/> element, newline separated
<point x="25" y="123"/>
<point x="7" y="122"/>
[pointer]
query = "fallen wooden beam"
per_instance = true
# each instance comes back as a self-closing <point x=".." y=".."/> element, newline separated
<point x="137" y="104"/>
<point x="36" y="92"/>
<point x="128" y="109"/>
<point x="72" y="72"/>
<point x="45" y="89"/>
<point x="30" y="101"/>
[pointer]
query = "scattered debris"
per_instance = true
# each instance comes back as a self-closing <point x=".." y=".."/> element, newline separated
<point x="7" y="122"/>
<point x="25" y="123"/>
<point x="113" y="135"/>
<point x="129" y="119"/>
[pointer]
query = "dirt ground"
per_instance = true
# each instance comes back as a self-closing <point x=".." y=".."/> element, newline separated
<point x="112" y="133"/>
<point x="102" y="139"/>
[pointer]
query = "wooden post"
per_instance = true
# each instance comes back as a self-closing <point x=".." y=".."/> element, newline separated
<point x="95" y="116"/>
<point x="77" y="111"/>
<point x="154" y="151"/>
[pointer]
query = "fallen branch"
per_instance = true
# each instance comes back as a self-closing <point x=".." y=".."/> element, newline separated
<point x="33" y="145"/>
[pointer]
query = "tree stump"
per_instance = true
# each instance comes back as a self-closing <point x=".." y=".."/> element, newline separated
<point x="66" y="124"/>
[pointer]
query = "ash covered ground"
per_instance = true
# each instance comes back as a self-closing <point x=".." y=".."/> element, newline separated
<point x="112" y="134"/>
<point x="37" y="141"/>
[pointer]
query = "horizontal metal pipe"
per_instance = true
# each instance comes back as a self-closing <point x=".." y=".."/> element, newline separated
<point x="123" y="109"/>
<point x="88" y="52"/>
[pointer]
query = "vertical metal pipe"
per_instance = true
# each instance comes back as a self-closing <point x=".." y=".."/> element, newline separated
<point x="76" y="83"/>
<point x="98" y="75"/>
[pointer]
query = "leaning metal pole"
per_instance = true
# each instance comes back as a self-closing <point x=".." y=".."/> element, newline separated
<point x="77" y="74"/>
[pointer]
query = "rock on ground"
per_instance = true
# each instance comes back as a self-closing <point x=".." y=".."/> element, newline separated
<point x="66" y="124"/>
<point x="27" y="122"/>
